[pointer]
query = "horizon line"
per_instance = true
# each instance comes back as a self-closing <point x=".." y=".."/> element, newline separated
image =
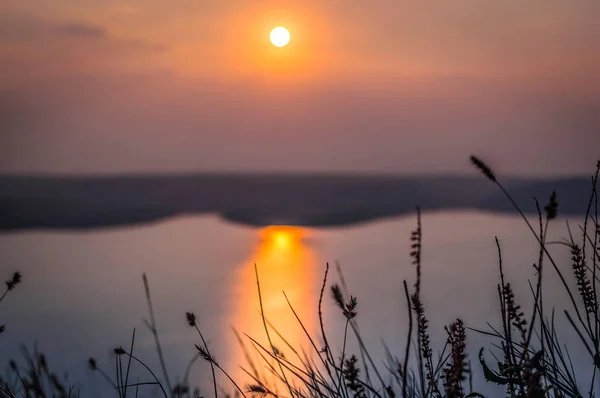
<point x="265" y="173"/>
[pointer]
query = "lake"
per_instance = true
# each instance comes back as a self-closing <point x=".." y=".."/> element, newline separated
<point x="82" y="292"/>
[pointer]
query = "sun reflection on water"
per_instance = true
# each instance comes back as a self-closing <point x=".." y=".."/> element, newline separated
<point x="285" y="263"/>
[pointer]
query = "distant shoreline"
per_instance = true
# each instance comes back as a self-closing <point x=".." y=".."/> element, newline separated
<point x="80" y="203"/>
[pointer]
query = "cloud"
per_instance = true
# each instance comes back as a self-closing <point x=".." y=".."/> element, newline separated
<point x="33" y="49"/>
<point x="25" y="27"/>
<point x="31" y="32"/>
<point x="82" y="30"/>
<point x="78" y="30"/>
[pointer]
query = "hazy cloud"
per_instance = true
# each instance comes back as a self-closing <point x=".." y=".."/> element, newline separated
<point x="30" y="32"/>
<point x="33" y="49"/>
<point x="159" y="122"/>
<point x="82" y="30"/>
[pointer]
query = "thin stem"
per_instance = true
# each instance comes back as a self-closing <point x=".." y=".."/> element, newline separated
<point x="212" y="368"/>
<point x="129" y="364"/>
<point x="3" y="295"/>
<point x="362" y="346"/>
<point x="343" y="351"/>
<point x="407" y="353"/>
<point x="321" y="323"/>
<point x="149" y="371"/>
<point x="312" y="342"/>
<point x="538" y="291"/>
<point x="230" y="379"/>
<point x="262" y="313"/>
<point x="554" y="265"/>
<point x="154" y="331"/>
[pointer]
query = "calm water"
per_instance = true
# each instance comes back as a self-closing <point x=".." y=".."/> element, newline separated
<point x="82" y="293"/>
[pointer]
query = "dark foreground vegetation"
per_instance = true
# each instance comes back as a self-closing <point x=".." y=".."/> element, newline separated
<point x="528" y="355"/>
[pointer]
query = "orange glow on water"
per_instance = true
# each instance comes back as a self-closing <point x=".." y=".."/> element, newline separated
<point x="285" y="263"/>
<point x="283" y="237"/>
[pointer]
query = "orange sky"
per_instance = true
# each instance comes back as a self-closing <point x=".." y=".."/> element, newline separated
<point x="362" y="86"/>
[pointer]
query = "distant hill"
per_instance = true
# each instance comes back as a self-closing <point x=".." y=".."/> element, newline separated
<point x="259" y="200"/>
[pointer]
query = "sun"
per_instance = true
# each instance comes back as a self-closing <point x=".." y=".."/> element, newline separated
<point x="280" y="36"/>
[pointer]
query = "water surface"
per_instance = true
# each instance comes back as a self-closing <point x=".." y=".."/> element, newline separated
<point x="82" y="293"/>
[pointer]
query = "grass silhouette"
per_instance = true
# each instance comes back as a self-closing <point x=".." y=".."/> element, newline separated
<point x="531" y="360"/>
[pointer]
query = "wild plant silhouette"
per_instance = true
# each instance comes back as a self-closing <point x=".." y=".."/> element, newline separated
<point x="532" y="360"/>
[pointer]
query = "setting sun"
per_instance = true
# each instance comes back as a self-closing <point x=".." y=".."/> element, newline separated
<point x="280" y="36"/>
